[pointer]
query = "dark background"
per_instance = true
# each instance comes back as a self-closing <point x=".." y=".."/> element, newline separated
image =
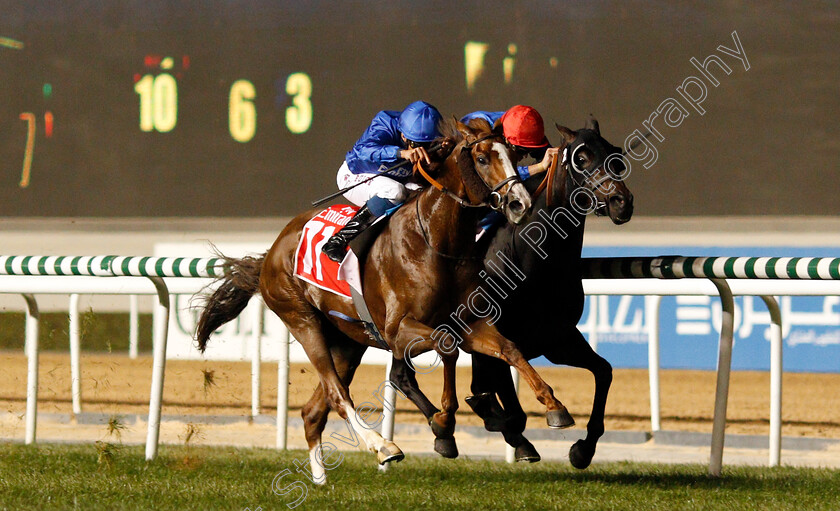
<point x="767" y="144"/>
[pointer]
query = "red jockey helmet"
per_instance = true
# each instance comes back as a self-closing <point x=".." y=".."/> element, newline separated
<point x="523" y="126"/>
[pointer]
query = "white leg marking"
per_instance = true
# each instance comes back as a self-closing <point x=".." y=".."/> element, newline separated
<point x="319" y="474"/>
<point x="373" y="440"/>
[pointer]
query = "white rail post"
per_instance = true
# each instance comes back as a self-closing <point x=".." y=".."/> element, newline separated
<point x="593" y="314"/>
<point x="652" y="303"/>
<point x="389" y="412"/>
<point x="283" y="388"/>
<point x="133" y="326"/>
<point x="510" y="452"/>
<point x="75" y="355"/>
<point x="775" y="380"/>
<point x="727" y="327"/>
<point x="256" y="354"/>
<point x="161" y="327"/>
<point x="32" y="317"/>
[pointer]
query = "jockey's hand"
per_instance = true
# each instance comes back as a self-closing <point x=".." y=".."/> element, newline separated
<point x="550" y="154"/>
<point x="444" y="148"/>
<point x="415" y="154"/>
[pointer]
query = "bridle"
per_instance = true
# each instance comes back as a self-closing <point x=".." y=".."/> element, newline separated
<point x="579" y="177"/>
<point x="496" y="201"/>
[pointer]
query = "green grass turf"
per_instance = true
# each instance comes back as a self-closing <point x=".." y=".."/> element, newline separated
<point x="184" y="477"/>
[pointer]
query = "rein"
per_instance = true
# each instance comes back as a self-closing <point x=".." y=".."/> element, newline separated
<point x="547" y="183"/>
<point x="572" y="174"/>
<point x="418" y="167"/>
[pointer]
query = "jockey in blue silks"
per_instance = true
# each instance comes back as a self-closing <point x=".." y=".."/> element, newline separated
<point x="391" y="137"/>
<point x="524" y="131"/>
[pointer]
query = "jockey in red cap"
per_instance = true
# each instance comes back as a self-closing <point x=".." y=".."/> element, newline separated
<point x="525" y="132"/>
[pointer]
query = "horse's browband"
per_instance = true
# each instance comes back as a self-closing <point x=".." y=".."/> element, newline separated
<point x="482" y="139"/>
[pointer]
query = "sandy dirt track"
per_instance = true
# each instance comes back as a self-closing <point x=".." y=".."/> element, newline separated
<point x="115" y="384"/>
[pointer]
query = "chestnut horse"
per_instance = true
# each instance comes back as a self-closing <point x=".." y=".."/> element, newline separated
<point x="412" y="281"/>
<point x="552" y="294"/>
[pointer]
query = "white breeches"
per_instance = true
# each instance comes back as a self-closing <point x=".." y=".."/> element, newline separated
<point x="381" y="186"/>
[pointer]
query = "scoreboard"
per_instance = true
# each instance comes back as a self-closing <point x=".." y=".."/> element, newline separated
<point x="170" y="108"/>
<point x="160" y="108"/>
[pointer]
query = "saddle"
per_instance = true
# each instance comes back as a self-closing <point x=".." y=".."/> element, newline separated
<point x="343" y="279"/>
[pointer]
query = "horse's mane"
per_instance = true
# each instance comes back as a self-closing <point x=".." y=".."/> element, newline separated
<point x="448" y="127"/>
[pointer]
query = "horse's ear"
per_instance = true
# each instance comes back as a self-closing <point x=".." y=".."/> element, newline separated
<point x="592" y="124"/>
<point x="497" y="126"/>
<point x="466" y="131"/>
<point x="568" y="135"/>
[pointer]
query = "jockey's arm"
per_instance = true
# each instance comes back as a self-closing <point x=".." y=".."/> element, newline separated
<point x="545" y="164"/>
<point x="377" y="144"/>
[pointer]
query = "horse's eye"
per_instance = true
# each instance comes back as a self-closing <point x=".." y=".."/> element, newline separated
<point x="481" y="159"/>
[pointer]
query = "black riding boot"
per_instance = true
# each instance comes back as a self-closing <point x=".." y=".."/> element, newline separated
<point x="336" y="247"/>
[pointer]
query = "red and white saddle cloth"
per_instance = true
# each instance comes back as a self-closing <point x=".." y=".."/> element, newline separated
<point x="316" y="268"/>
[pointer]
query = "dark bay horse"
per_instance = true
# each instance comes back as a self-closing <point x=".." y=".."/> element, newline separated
<point x="547" y="249"/>
<point x="536" y="282"/>
<point x="412" y="280"/>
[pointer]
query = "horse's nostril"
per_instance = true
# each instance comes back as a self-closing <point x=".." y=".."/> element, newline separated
<point x="618" y="200"/>
<point x="516" y="206"/>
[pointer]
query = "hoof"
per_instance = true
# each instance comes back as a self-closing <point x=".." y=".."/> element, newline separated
<point x="446" y="447"/>
<point x="579" y="455"/>
<point x="526" y="452"/>
<point x="559" y="419"/>
<point x="389" y="452"/>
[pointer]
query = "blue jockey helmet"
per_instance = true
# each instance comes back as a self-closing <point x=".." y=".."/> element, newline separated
<point x="419" y="122"/>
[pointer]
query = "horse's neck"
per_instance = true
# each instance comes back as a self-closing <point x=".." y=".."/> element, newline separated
<point x="449" y="227"/>
<point x="562" y="243"/>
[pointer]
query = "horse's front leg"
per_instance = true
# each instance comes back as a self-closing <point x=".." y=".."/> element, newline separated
<point x="487" y="340"/>
<point x="443" y="423"/>
<point x="576" y="352"/>
<point x="412" y="339"/>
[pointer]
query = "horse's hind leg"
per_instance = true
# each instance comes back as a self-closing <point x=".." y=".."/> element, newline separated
<point x="576" y="352"/>
<point x="307" y="326"/>
<point x="314" y="414"/>
<point x="346" y="360"/>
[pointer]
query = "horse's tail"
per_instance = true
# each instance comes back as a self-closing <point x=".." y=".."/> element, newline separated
<point x="239" y="283"/>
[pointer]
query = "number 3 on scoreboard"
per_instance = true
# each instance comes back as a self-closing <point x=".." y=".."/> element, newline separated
<point x="299" y="115"/>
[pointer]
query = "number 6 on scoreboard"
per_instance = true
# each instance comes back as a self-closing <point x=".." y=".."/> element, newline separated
<point x="242" y="114"/>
